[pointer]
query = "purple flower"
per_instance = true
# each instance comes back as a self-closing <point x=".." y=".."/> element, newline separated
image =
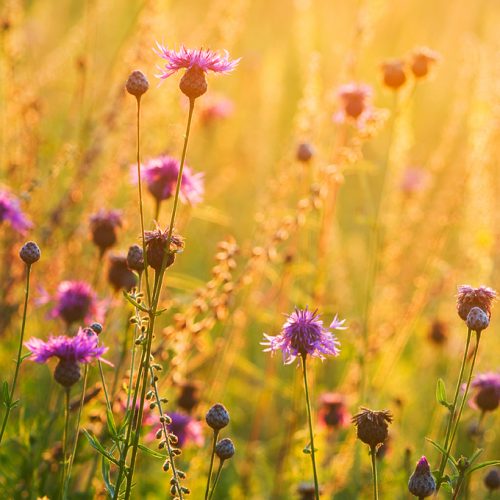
<point x="186" y="428"/>
<point x="469" y="297"/>
<point x="82" y="348"/>
<point x="303" y="333"/>
<point x="487" y="391"/>
<point x="103" y="225"/>
<point x="160" y="175"/>
<point x="205" y="60"/>
<point x="215" y="108"/>
<point x="75" y="301"/>
<point x="10" y="211"/>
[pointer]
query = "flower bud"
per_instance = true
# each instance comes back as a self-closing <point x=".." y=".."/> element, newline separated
<point x="137" y="83"/>
<point x="224" y="449"/>
<point x="217" y="417"/>
<point x="193" y="84"/>
<point x="30" y="253"/>
<point x="477" y="319"/>
<point x="422" y="483"/>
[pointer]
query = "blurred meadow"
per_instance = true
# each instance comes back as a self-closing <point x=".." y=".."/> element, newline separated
<point x="380" y="225"/>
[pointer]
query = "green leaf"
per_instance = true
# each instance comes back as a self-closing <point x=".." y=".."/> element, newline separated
<point x="94" y="442"/>
<point x="24" y="356"/>
<point x="153" y="453"/>
<point x="441" y="394"/>
<point x="475" y="456"/>
<point x="110" y="420"/>
<point x="5" y="393"/>
<point x="451" y="460"/>
<point x="135" y="303"/>
<point x="307" y="449"/>
<point x="105" y="475"/>
<point x="489" y="463"/>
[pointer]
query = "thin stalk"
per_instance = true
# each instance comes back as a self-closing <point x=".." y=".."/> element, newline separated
<point x="311" y="433"/>
<point x="449" y="426"/>
<point x="219" y="470"/>
<point x="462" y="404"/>
<point x="103" y="383"/>
<point x="373" y="453"/>
<point x="78" y="417"/>
<point x="209" y="477"/>
<point x="65" y="442"/>
<point x="19" y="351"/>
<point x="165" y="434"/>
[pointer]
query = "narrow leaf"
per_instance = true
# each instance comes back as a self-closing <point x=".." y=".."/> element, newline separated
<point x="153" y="453"/>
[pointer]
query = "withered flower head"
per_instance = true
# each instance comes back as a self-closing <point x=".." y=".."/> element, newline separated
<point x="469" y="297"/>
<point x="372" y="426"/>
<point x="156" y="247"/>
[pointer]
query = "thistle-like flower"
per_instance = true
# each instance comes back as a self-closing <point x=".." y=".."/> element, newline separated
<point x="197" y="62"/>
<point x="394" y="73"/>
<point x="119" y="275"/>
<point x="422" y="483"/>
<point x="156" y="248"/>
<point x="469" y="297"/>
<point x="186" y="429"/>
<point x="333" y="412"/>
<point x="422" y="59"/>
<point x="487" y="391"/>
<point x="103" y="226"/>
<point x="10" y="211"/>
<point x="217" y="417"/>
<point x="372" y="426"/>
<point x="30" y="253"/>
<point x="160" y="175"/>
<point x="355" y="99"/>
<point x="304" y="334"/>
<point x="71" y="352"/>
<point x="75" y="302"/>
<point x="225" y="449"/>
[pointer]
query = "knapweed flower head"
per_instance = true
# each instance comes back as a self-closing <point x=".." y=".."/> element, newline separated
<point x="355" y="99"/>
<point x="422" y="483"/>
<point x="135" y="258"/>
<point x="103" y="226"/>
<point x="217" y="417"/>
<point x="486" y="387"/>
<point x="160" y="175"/>
<point x="304" y="334"/>
<point x="120" y="276"/>
<point x="215" y="108"/>
<point x="186" y="429"/>
<point x="492" y="479"/>
<point x="83" y="348"/>
<point x="75" y="302"/>
<point x="197" y="62"/>
<point x="413" y="180"/>
<point x="30" y="253"/>
<point x="393" y="73"/>
<point x="469" y="297"/>
<point x="333" y="412"/>
<point x="156" y="248"/>
<point x="137" y="84"/>
<point x="10" y="211"/>
<point x="477" y="320"/>
<point x="422" y="59"/>
<point x="372" y="426"/>
<point x="225" y="449"/>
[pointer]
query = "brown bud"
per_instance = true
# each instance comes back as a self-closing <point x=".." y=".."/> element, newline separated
<point x="193" y="84"/>
<point x="137" y="84"/>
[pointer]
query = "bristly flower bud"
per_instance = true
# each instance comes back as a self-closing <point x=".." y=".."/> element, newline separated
<point x="67" y="372"/>
<point x="305" y="152"/>
<point x="422" y="483"/>
<point x="492" y="479"/>
<point x="477" y="319"/>
<point x="119" y="274"/>
<point x="224" y="449"/>
<point x="193" y="83"/>
<point x="469" y="297"/>
<point x="135" y="258"/>
<point x="217" y="417"/>
<point x="156" y="248"/>
<point x="30" y="253"/>
<point x="137" y="83"/>
<point x="372" y="426"/>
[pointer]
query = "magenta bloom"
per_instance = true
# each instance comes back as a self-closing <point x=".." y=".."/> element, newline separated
<point x="303" y="333"/>
<point x="355" y="99"/>
<point x="333" y="412"/>
<point x="186" y="428"/>
<point x="469" y="297"/>
<point x="75" y="301"/>
<point x="160" y="175"/>
<point x="205" y="60"/>
<point x="487" y="391"/>
<point x="215" y="108"/>
<point x="11" y="212"/>
<point x="82" y="348"/>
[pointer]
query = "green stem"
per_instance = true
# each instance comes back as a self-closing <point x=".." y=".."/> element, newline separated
<point x="373" y="453"/>
<point x="311" y="433"/>
<point x="444" y="459"/>
<point x="19" y="351"/>
<point x="207" y="489"/>
<point x="73" y="453"/>
<point x="103" y="383"/>
<point x="464" y="399"/>
<point x="65" y="442"/>
<point x="219" y="470"/>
